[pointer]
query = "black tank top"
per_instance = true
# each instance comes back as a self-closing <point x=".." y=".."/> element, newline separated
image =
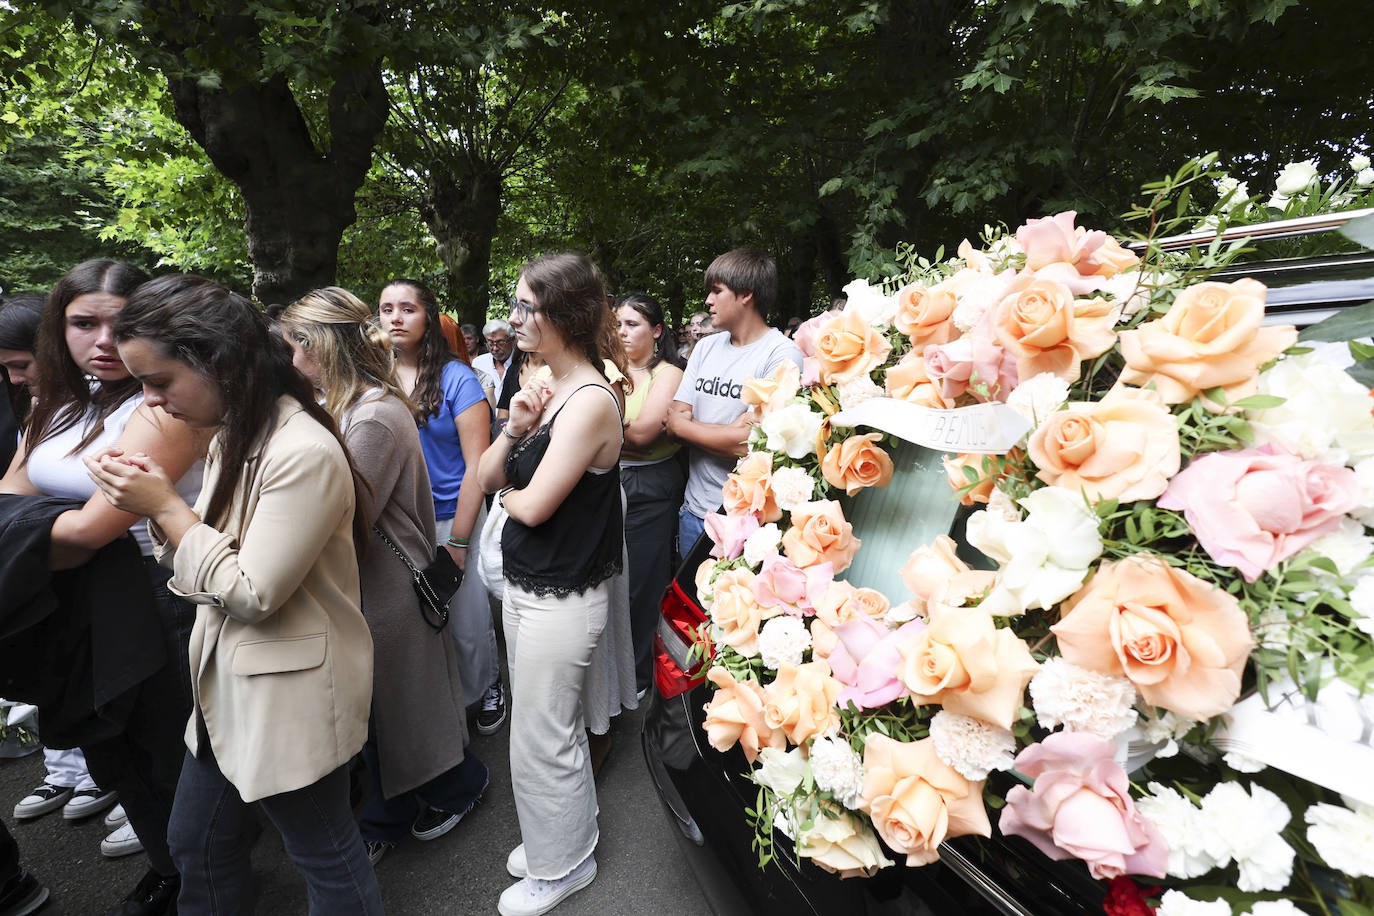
<point x="581" y="544"/>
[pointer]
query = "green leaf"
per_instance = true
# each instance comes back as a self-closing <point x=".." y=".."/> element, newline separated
<point x="1347" y="324"/>
<point x="1360" y="231"/>
<point x="830" y="187"/>
<point x="1259" y="402"/>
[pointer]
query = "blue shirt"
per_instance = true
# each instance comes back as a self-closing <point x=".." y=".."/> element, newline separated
<point x="458" y="390"/>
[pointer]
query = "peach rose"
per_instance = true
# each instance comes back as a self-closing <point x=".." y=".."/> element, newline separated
<point x="916" y="800"/>
<point x="735" y="714"/>
<point x="820" y="534"/>
<point x="736" y="614"/>
<point x="935" y="574"/>
<point x="1047" y="330"/>
<point x="848" y="347"/>
<point x="1211" y="338"/>
<point x="856" y="463"/>
<point x="923" y="314"/>
<point x="702" y="580"/>
<point x="1182" y="641"/>
<point x="836" y="603"/>
<point x="870" y="602"/>
<point x="748" y="489"/>
<point x="958" y="479"/>
<point x="823" y="640"/>
<point x="1124" y="447"/>
<point x="801" y="701"/>
<point x="1111" y="259"/>
<point x="962" y="661"/>
<point x="908" y="381"/>
<point x="768" y="394"/>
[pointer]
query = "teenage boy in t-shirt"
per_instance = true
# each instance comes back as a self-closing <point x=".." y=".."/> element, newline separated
<point x="707" y="414"/>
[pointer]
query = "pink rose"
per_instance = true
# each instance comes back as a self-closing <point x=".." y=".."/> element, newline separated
<point x="729" y="532"/>
<point x="1254" y="508"/>
<point x="973" y="363"/>
<point x="805" y="339"/>
<point x="866" y="660"/>
<point x="1053" y="239"/>
<point x="1081" y="807"/>
<point x="780" y="582"/>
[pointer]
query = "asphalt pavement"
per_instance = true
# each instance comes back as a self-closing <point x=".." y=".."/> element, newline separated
<point x="639" y="867"/>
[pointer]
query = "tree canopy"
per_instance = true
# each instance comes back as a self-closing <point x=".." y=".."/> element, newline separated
<point x="294" y="143"/>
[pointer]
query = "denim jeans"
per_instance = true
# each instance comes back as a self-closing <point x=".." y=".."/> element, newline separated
<point x="689" y="528"/>
<point x="143" y="762"/>
<point x="210" y="845"/>
<point x="454" y="791"/>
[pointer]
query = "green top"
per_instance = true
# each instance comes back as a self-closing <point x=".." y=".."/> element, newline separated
<point x="662" y="447"/>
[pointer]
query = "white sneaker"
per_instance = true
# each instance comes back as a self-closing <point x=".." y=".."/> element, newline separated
<point x="123" y="842"/>
<point x="533" y="896"/>
<point x="116" y="818"/>
<point x="516" y="865"/>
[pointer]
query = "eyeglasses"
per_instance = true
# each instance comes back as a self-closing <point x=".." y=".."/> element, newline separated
<point x="522" y="310"/>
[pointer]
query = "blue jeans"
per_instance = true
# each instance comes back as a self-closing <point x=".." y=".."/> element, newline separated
<point x="210" y="843"/>
<point x="454" y="791"/>
<point x="689" y="528"/>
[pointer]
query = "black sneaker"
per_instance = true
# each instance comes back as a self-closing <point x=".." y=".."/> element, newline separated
<point x="85" y="803"/>
<point x="492" y="715"/>
<point x="155" y="895"/>
<point x="22" y="895"/>
<point x="47" y="797"/>
<point x="376" y="849"/>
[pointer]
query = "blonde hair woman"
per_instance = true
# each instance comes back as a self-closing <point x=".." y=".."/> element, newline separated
<point x="415" y="746"/>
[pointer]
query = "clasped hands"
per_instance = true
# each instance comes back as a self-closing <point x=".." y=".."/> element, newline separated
<point x="132" y="483"/>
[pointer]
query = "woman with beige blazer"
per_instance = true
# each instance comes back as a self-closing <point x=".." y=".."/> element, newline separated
<point x="280" y="657"/>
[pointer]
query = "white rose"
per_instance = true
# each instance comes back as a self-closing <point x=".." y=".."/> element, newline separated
<point x="1233" y="193"/>
<point x="1132" y="289"/>
<point x="1042" y="559"/>
<point x="1038" y="397"/>
<point x="1209" y="223"/>
<point x="1325" y="415"/>
<point x="1278" y="202"/>
<point x="1365" y="178"/>
<point x="780" y="771"/>
<point x="792" y="487"/>
<point x="1359" y="162"/>
<point x="1295" y="177"/>
<point x="792" y="429"/>
<point x="870" y="303"/>
<point x="762" y="544"/>
<point x="842" y="844"/>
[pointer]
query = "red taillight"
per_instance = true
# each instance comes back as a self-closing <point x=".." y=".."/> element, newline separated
<point x="673" y="641"/>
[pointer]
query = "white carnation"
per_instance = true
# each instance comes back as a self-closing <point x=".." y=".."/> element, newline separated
<point x="1178" y="820"/>
<point x="783" y="640"/>
<point x="1209" y="223"/>
<point x="837" y="770"/>
<point x="1082" y="700"/>
<point x="1038" y="397"/>
<point x="1364" y="476"/>
<point x="1246" y="827"/>
<point x="1343" y="838"/>
<point x="976" y="292"/>
<point x="1132" y="289"/>
<point x="1296" y="177"/>
<point x="792" y="429"/>
<point x="780" y="771"/>
<point x="857" y="390"/>
<point x="1359" y="162"/>
<point x="1348" y="546"/>
<point x="1325" y="415"/>
<point x="870" y="303"/>
<point x="762" y="544"/>
<point x="1241" y="763"/>
<point x="1365" y="178"/>
<point x="1362" y="602"/>
<point x="971" y="746"/>
<point x="1000" y="503"/>
<point x="1274" y="908"/>
<point x="1273" y="629"/>
<point x="792" y="487"/>
<point x="1167" y="728"/>
<point x="1177" y="903"/>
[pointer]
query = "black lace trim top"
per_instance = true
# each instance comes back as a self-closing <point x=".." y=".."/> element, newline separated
<point x="581" y="544"/>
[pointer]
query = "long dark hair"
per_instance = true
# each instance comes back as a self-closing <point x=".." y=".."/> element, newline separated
<point x="19" y="316"/>
<point x="223" y="337"/>
<point x="665" y="347"/>
<point x="572" y="294"/>
<point x="432" y="356"/>
<point x="64" y="396"/>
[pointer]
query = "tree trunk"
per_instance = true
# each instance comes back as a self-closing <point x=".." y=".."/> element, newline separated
<point x="299" y="200"/>
<point x="462" y="213"/>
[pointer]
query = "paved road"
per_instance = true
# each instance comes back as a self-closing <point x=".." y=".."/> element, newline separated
<point x="639" y="868"/>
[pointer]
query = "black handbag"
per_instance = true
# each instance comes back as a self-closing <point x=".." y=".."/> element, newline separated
<point x="435" y="585"/>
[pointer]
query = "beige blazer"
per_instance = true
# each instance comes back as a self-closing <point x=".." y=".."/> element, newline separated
<point x="281" y="658"/>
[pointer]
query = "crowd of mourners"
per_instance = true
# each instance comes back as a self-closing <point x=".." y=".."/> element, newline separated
<point x="213" y="521"/>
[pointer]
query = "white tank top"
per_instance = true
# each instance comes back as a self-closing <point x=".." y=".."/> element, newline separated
<point x="56" y="472"/>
